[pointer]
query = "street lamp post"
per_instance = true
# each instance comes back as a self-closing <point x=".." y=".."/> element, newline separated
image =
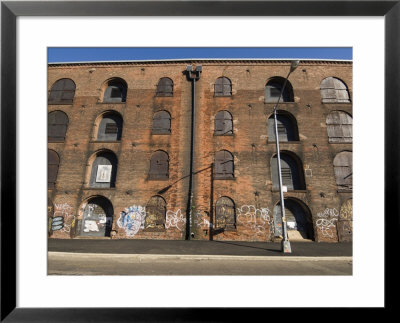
<point x="285" y="242"/>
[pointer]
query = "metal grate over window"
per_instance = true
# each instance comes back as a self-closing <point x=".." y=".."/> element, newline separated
<point x="225" y="215"/>
<point x="155" y="213"/>
<point x="161" y="123"/>
<point x="339" y="127"/>
<point x="57" y="124"/>
<point x="334" y="90"/>
<point x="224" y="165"/>
<point x="165" y="87"/>
<point x="223" y="87"/>
<point x="223" y="123"/>
<point x="159" y="166"/>
<point x="62" y="92"/>
<point x="343" y="166"/>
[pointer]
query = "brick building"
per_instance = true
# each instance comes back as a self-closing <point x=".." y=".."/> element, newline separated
<point x="120" y="138"/>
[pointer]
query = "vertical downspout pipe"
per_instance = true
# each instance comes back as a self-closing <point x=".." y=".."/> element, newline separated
<point x="193" y="76"/>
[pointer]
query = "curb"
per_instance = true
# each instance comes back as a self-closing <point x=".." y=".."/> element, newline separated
<point x="141" y="257"/>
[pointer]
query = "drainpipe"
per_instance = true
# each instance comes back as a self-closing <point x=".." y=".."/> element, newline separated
<point x="192" y="75"/>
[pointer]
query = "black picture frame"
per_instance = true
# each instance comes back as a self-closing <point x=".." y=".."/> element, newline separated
<point x="10" y="10"/>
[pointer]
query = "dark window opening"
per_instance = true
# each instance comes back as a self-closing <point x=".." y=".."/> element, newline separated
<point x="115" y="92"/>
<point x="291" y="170"/>
<point x="287" y="127"/>
<point x="53" y="162"/>
<point x="273" y="90"/>
<point x="110" y="127"/>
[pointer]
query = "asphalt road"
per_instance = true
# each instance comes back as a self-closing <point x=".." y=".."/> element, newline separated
<point x="195" y="257"/>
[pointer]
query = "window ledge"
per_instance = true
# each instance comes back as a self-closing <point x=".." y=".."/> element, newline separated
<point x="99" y="188"/>
<point x="336" y="102"/>
<point x="285" y="142"/>
<point x="345" y="191"/>
<point x="161" y="133"/>
<point x="280" y="102"/>
<point x="111" y="102"/>
<point x="223" y="96"/>
<point x="105" y="141"/>
<point x="341" y="142"/>
<point x="60" y="103"/>
<point x="290" y="191"/>
<point x="225" y="178"/>
<point x="224" y="135"/>
<point x="56" y="141"/>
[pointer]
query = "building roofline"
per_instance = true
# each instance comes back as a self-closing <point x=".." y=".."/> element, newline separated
<point x="189" y="60"/>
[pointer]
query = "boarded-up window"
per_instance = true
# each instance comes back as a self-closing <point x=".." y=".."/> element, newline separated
<point x="339" y="126"/>
<point x="110" y="128"/>
<point x="223" y="123"/>
<point x="287" y="127"/>
<point x="53" y="162"/>
<point x="57" y="126"/>
<point x="62" y="92"/>
<point x="223" y="87"/>
<point x="225" y="215"/>
<point x="104" y="170"/>
<point x="115" y="92"/>
<point x="165" y="87"/>
<point x="161" y="123"/>
<point x="273" y="90"/>
<point x="334" y="90"/>
<point x="292" y="173"/>
<point x="343" y="165"/>
<point x="223" y="165"/>
<point x="155" y="213"/>
<point x="159" y="165"/>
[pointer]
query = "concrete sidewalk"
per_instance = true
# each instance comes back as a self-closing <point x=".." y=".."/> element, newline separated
<point x="198" y="248"/>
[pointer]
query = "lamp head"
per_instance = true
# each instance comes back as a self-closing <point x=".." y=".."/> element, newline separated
<point x="294" y="65"/>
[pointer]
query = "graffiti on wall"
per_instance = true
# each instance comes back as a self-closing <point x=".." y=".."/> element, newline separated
<point x="95" y="218"/>
<point x="132" y="219"/>
<point x="328" y="213"/>
<point x="256" y="219"/>
<point x="327" y="227"/>
<point x="63" y="219"/>
<point x="175" y="219"/>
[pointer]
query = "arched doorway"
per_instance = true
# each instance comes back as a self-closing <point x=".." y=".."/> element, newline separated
<point x="298" y="220"/>
<point x="97" y="217"/>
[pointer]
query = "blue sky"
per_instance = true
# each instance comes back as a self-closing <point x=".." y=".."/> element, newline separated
<point x="82" y="54"/>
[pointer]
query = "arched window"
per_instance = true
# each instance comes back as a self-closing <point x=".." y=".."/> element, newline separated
<point x="223" y="123"/>
<point x="159" y="165"/>
<point x="165" y="87"/>
<point x="340" y="127"/>
<point x="224" y="165"/>
<point x="287" y="127"/>
<point x="343" y="165"/>
<point x="57" y="126"/>
<point x="156" y="210"/>
<point x="292" y="172"/>
<point x="53" y="161"/>
<point x="104" y="170"/>
<point x="345" y="222"/>
<point x="223" y="87"/>
<point x="115" y="91"/>
<point x="298" y="220"/>
<point x="161" y="123"/>
<point x="97" y="217"/>
<point x="273" y="90"/>
<point x="225" y="215"/>
<point x="110" y="127"/>
<point x="334" y="90"/>
<point x="62" y="92"/>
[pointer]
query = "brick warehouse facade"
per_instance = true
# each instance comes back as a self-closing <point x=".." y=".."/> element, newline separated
<point x="119" y="150"/>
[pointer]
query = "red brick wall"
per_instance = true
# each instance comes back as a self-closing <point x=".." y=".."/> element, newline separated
<point x="251" y="189"/>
